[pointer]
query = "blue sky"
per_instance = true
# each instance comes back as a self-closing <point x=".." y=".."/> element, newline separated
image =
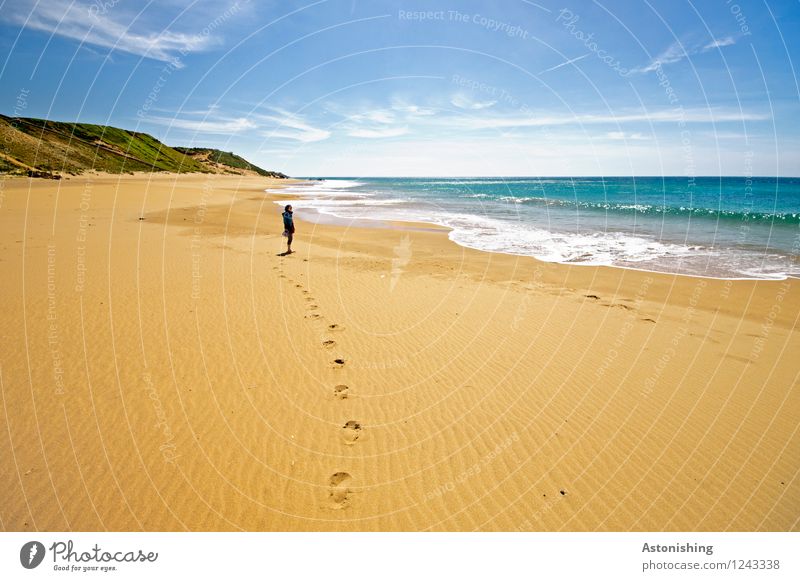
<point x="357" y="88"/>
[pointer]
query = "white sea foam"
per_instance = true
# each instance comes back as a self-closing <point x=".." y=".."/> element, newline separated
<point x="510" y="235"/>
<point x="319" y="188"/>
<point x="345" y="205"/>
<point x="599" y="248"/>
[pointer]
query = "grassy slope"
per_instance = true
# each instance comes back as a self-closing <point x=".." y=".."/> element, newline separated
<point x="53" y="146"/>
<point x="227" y="158"/>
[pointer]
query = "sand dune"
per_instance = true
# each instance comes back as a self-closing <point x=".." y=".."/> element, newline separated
<point x="162" y="368"/>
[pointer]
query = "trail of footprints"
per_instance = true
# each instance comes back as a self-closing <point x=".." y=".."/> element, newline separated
<point x="594" y="297"/>
<point x="338" y="486"/>
<point x="339" y="492"/>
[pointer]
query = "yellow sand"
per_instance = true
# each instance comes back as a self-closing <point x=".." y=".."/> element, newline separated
<point x="174" y="373"/>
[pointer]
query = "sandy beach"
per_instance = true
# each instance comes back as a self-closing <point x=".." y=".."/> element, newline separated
<point x="163" y="368"/>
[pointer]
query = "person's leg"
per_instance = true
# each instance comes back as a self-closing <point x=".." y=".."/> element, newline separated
<point x="289" y="243"/>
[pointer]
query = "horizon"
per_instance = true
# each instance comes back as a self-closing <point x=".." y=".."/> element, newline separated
<point x="466" y="176"/>
<point x="406" y="89"/>
<point x="549" y="177"/>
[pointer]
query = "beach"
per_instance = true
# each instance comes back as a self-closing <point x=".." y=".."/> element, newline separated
<point x="162" y="368"/>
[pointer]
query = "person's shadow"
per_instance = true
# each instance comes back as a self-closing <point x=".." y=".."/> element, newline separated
<point x="287" y="253"/>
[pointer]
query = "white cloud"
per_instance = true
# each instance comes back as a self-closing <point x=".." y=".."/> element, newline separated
<point x="379" y="122"/>
<point x="277" y="125"/>
<point x="677" y="52"/>
<point x="463" y="102"/>
<point x="292" y="126"/>
<point x="374" y="115"/>
<point x="655" y="116"/>
<point x="719" y="43"/>
<point x="87" y="23"/>
<point x="378" y="133"/>
<point x="622" y="136"/>
<point x="222" y="126"/>
<point x="673" y="54"/>
<point x="411" y="110"/>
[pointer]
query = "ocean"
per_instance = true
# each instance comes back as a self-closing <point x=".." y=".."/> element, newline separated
<point x="720" y="227"/>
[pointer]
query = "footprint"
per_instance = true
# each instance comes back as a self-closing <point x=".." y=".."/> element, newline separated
<point x="351" y="431"/>
<point x="649" y="320"/>
<point x="312" y="307"/>
<point x="338" y="363"/>
<point x="595" y="297"/>
<point x="338" y="492"/>
<point x="341" y="392"/>
<point x="335" y="327"/>
<point x="298" y="286"/>
<point x="309" y="299"/>
<point x="329" y="343"/>
<point x="314" y="316"/>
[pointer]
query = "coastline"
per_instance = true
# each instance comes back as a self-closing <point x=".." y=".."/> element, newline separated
<point x="597" y="227"/>
<point x="484" y="391"/>
<point x="321" y="216"/>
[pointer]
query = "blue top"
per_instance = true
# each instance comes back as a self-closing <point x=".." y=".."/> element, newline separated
<point x="288" y="223"/>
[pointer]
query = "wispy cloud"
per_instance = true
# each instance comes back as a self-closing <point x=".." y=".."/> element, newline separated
<point x="220" y="126"/>
<point x="673" y="54"/>
<point x="378" y="133"/>
<point x="719" y="43"/>
<point x="411" y="109"/>
<point x="622" y="136"/>
<point x="276" y="124"/>
<point x="377" y="122"/>
<point x="565" y="63"/>
<point x="292" y="126"/>
<point x="87" y="23"/>
<point x="678" y="51"/>
<point x="463" y="102"/>
<point x="374" y="115"/>
<point x="714" y="115"/>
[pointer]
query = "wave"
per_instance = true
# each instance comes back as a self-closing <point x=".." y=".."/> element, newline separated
<point x="319" y="204"/>
<point x="321" y="187"/>
<point x="510" y="233"/>
<point x="656" y="210"/>
<point x="333" y="184"/>
<point x="619" y="249"/>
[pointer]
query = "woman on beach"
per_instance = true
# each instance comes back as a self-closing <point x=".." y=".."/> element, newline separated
<point x="288" y="227"/>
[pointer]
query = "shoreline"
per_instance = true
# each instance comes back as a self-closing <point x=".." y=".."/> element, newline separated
<point x="378" y="379"/>
<point x="331" y="218"/>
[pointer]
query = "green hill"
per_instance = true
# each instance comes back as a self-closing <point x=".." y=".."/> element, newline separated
<point x="226" y="159"/>
<point x="38" y="147"/>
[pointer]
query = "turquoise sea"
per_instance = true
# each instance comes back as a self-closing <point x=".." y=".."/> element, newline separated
<point x="724" y="227"/>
